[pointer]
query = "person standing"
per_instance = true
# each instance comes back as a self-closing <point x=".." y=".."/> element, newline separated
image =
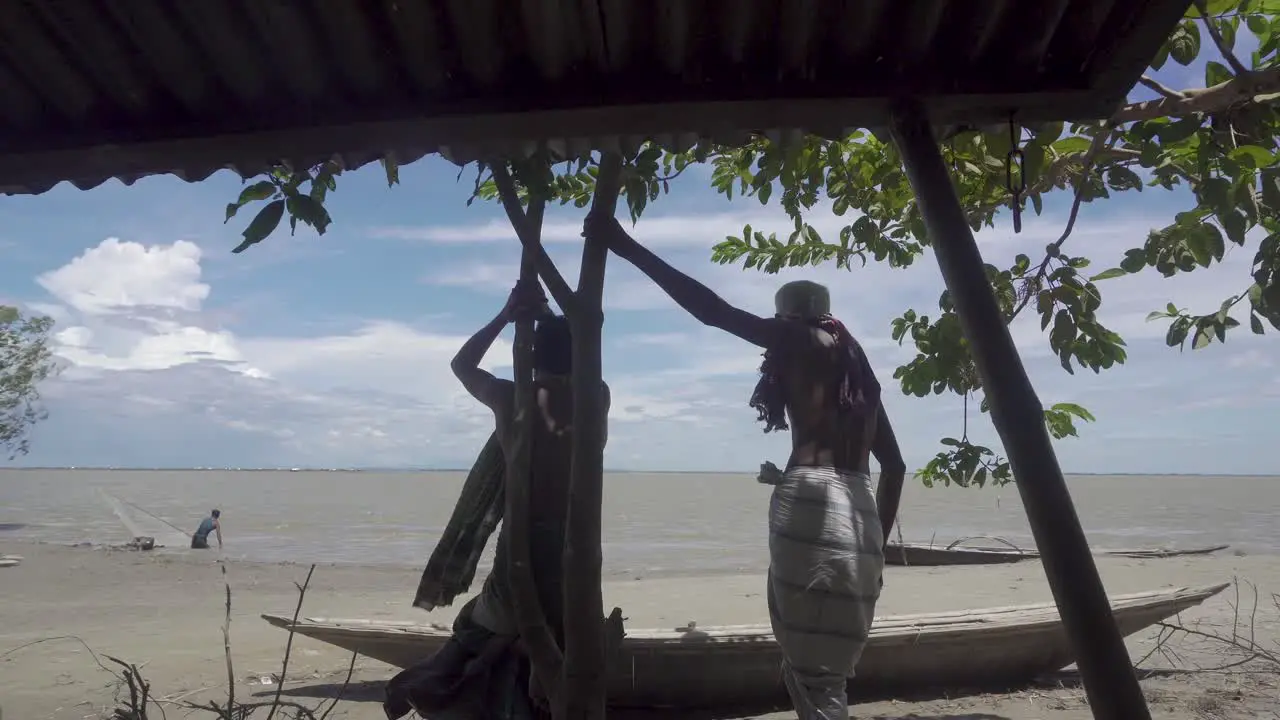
<point x="827" y="528"/>
<point x="481" y="671"/>
<point x="211" y="524"/>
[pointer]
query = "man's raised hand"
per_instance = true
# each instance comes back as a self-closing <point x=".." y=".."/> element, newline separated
<point x="525" y="302"/>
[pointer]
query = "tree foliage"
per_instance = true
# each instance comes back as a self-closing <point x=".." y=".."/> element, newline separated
<point x="1217" y="141"/>
<point x="25" y="362"/>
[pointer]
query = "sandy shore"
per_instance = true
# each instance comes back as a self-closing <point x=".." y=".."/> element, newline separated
<point x="164" y="612"/>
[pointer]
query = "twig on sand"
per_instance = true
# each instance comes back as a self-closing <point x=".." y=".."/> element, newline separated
<point x="1245" y="652"/>
<point x="342" y="689"/>
<point x="288" y="647"/>
<point x="140" y="698"/>
<point x="226" y="643"/>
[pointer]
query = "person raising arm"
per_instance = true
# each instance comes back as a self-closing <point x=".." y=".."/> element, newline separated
<point x="826" y="529"/>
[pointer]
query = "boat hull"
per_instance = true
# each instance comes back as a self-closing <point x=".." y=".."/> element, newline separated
<point x="934" y="555"/>
<point x="921" y="555"/>
<point x="740" y="665"/>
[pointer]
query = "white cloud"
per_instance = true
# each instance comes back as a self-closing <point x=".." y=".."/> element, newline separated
<point x="119" y="276"/>
<point x="678" y="231"/>
<point x="142" y="346"/>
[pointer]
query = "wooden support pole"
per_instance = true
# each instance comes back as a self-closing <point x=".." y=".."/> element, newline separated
<point x="545" y="656"/>
<point x="584" y="645"/>
<point x="1110" y="683"/>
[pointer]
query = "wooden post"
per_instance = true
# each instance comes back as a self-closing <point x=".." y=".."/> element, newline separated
<point x="545" y="657"/>
<point x="586" y="674"/>
<point x="1110" y="683"/>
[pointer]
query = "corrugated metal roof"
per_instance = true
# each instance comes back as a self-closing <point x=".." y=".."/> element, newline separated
<point x="94" y="89"/>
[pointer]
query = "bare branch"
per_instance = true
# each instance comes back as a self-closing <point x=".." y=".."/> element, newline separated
<point x="288" y="646"/>
<point x="1161" y="88"/>
<point x="346" y="683"/>
<point x="1236" y="66"/>
<point x="1100" y="142"/>
<point x="226" y="644"/>
<point x="1239" y="89"/>
<point x="556" y="285"/>
<point x="545" y="656"/>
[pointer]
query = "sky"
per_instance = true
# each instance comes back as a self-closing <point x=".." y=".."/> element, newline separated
<point x="333" y="351"/>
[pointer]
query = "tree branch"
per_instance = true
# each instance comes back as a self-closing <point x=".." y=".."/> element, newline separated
<point x="1090" y="159"/>
<point x="540" y="643"/>
<point x="523" y="222"/>
<point x="1239" y="89"/>
<point x="1236" y="66"/>
<point x="1161" y="88"/>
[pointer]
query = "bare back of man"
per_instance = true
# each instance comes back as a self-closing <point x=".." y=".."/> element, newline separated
<point x="822" y="435"/>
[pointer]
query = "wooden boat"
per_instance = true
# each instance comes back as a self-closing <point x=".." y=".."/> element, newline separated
<point x="739" y="665"/>
<point x="922" y="555"/>
<point x="926" y="555"/>
<point x="1162" y="552"/>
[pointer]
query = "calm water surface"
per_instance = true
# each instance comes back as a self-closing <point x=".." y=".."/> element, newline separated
<point x="654" y="523"/>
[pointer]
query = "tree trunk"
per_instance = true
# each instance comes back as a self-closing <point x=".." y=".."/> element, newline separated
<point x="585" y="669"/>
<point x="1109" y="680"/>
<point x="540" y="645"/>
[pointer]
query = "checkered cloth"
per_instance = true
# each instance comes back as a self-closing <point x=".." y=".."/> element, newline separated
<point x="452" y="565"/>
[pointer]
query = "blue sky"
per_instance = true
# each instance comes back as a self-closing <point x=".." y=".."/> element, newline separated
<point x="333" y="351"/>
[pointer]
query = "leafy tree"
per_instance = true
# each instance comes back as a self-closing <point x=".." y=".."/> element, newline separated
<point x="25" y="362"/>
<point x="1218" y="141"/>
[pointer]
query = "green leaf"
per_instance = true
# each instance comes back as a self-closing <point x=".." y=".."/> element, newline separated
<point x="265" y="223"/>
<point x="1205" y="244"/>
<point x="1109" y="274"/>
<point x="1184" y="44"/>
<point x="309" y="211"/>
<point x="1122" y="178"/>
<point x="1215" y="73"/>
<point x="1134" y="260"/>
<point x="1235" y="225"/>
<point x="1201" y="339"/>
<point x="1255" y="324"/>
<point x="1076" y="410"/>
<point x="258" y="191"/>
<point x="1179" y="130"/>
<point x="1252" y="156"/>
<point x="1270" y="181"/>
<point x="1072" y="145"/>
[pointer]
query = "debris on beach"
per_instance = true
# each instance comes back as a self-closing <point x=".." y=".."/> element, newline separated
<point x="142" y="542"/>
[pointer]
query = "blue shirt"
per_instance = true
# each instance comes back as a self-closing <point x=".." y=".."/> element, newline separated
<point x="206" y="527"/>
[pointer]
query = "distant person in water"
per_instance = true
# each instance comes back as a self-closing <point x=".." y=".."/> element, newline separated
<point x="481" y="672"/>
<point x="200" y="541"/>
<point x="827" y="527"/>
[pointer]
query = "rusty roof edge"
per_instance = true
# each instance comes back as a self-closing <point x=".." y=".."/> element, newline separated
<point x="462" y="139"/>
<point x="1130" y="59"/>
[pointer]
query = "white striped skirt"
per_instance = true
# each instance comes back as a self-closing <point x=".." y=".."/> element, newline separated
<point x="826" y="561"/>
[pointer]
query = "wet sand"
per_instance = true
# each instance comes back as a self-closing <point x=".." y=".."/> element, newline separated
<point x="165" y="613"/>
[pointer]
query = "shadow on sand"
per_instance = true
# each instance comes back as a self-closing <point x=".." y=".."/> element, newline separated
<point x="372" y="691"/>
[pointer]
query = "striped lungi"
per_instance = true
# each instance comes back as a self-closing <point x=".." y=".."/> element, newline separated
<point x="826" y="558"/>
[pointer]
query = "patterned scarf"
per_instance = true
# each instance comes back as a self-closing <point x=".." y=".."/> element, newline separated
<point x="859" y="390"/>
